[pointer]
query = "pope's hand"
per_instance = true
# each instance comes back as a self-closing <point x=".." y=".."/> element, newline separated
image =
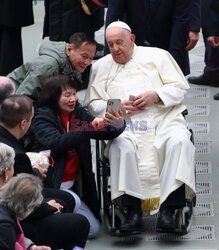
<point x="146" y="99"/>
<point x="127" y="107"/>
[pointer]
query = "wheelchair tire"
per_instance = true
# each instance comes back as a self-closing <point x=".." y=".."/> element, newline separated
<point x="107" y="219"/>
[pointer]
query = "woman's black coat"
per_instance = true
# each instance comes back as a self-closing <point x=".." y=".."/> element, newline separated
<point x="49" y="133"/>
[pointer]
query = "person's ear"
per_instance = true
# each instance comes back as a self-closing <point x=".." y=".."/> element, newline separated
<point x="132" y="38"/>
<point x="23" y="124"/>
<point x="4" y="175"/>
<point x="68" y="49"/>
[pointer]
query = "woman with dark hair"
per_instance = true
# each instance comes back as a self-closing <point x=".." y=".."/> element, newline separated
<point x="53" y="223"/>
<point x="66" y="129"/>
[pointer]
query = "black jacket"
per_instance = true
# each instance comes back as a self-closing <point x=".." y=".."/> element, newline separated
<point x="64" y="18"/>
<point x="16" y="13"/>
<point x="9" y="229"/>
<point x="164" y="25"/>
<point x="22" y="163"/>
<point x="212" y="18"/>
<point x="49" y="132"/>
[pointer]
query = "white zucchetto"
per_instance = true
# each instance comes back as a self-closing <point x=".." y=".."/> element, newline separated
<point x="119" y="24"/>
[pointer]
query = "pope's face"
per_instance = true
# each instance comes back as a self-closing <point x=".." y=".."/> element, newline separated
<point x="81" y="57"/>
<point x="121" y="44"/>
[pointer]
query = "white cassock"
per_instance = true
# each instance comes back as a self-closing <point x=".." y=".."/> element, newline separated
<point x="154" y="155"/>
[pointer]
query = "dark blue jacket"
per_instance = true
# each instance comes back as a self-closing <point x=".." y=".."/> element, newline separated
<point x="165" y="24"/>
<point x="49" y="133"/>
<point x="9" y="229"/>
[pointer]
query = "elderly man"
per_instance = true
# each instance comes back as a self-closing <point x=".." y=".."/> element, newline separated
<point x="153" y="160"/>
<point x="55" y="58"/>
<point x="7" y="88"/>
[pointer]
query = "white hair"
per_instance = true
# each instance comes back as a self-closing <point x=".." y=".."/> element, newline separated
<point x="7" y="155"/>
<point x="21" y="194"/>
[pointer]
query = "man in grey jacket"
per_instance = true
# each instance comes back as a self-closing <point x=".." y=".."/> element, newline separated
<point x="55" y="58"/>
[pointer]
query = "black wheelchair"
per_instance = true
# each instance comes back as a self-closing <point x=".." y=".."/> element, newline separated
<point x="114" y="213"/>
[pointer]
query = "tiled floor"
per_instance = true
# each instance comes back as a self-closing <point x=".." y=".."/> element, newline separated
<point x="203" y="119"/>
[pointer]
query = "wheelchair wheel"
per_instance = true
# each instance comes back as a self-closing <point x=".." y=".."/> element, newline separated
<point x="107" y="218"/>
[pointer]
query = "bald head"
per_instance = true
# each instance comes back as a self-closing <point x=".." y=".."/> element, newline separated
<point x="7" y="88"/>
<point x="121" y="43"/>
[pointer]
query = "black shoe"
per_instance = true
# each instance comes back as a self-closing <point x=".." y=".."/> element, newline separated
<point x="203" y="80"/>
<point x="216" y="96"/>
<point x="166" y="219"/>
<point x="133" y="223"/>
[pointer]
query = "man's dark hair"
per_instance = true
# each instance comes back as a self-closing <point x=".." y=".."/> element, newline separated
<point x="52" y="90"/>
<point x="78" y="38"/>
<point x="14" y="109"/>
<point x="5" y="91"/>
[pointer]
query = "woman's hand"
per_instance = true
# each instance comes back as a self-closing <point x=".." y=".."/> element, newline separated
<point x="114" y="119"/>
<point x="55" y="204"/>
<point x="43" y="171"/>
<point x="98" y="123"/>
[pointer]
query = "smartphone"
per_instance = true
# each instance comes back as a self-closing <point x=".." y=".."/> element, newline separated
<point x="113" y="104"/>
<point x="131" y="98"/>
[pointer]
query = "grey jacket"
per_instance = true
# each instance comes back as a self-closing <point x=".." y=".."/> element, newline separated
<point x="29" y="77"/>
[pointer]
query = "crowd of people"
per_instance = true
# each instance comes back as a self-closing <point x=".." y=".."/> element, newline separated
<point x="151" y="164"/>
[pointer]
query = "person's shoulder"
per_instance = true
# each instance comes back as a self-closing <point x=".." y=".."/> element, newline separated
<point x="52" y="47"/>
<point x="45" y="112"/>
<point x="103" y="61"/>
<point x="151" y="52"/>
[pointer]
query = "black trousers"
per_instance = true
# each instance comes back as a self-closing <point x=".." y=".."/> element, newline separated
<point x="11" y="54"/>
<point x="211" y="69"/>
<point x="60" y="196"/>
<point x="59" y="231"/>
<point x="176" y="199"/>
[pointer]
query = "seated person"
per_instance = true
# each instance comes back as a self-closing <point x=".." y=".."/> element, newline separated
<point x="55" y="58"/>
<point x="154" y="156"/>
<point x="18" y="198"/>
<point x="7" y="88"/>
<point x="53" y="223"/>
<point x="66" y="129"/>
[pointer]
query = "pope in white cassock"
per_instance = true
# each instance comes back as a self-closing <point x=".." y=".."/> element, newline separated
<point x="153" y="160"/>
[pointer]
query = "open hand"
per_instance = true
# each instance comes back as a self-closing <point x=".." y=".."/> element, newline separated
<point x="55" y="204"/>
